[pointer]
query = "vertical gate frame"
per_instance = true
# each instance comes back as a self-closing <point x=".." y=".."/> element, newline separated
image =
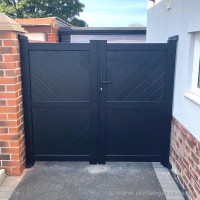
<point x="171" y="64"/>
<point x="26" y="90"/>
<point x="102" y="65"/>
<point x="94" y="101"/>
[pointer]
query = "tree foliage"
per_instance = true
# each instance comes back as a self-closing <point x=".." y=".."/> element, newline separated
<point x="64" y="9"/>
<point x="78" y="22"/>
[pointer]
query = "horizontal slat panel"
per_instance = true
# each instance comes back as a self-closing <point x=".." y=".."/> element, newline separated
<point x="134" y="158"/>
<point x="59" y="75"/>
<point x="62" y="157"/>
<point x="58" y="47"/>
<point x="136" y="76"/>
<point x="138" y="131"/>
<point x="81" y="104"/>
<point x="121" y="104"/>
<point x="138" y="47"/>
<point x="61" y="131"/>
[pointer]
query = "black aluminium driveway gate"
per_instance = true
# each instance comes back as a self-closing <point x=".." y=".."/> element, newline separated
<point x="97" y="102"/>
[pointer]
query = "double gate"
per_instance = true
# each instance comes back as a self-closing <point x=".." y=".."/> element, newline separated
<point x="97" y="102"/>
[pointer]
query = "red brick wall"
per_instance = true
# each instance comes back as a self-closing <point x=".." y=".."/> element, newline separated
<point x="51" y="31"/>
<point x="12" y="145"/>
<point x="185" y="158"/>
<point x="53" y="35"/>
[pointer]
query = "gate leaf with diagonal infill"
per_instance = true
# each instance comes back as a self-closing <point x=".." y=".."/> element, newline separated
<point x="97" y="102"/>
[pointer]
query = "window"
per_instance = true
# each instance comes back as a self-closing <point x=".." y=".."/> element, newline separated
<point x="196" y="67"/>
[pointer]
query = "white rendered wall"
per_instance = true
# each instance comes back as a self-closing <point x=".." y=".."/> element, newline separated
<point x="36" y="36"/>
<point x="182" y="19"/>
<point x="109" y="38"/>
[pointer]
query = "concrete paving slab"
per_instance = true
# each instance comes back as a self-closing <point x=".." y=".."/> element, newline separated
<point x="81" y="181"/>
<point x="8" y="186"/>
<point x="2" y="175"/>
<point x="167" y="183"/>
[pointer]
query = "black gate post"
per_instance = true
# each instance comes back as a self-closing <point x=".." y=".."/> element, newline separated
<point x="94" y="124"/>
<point x="26" y="89"/>
<point x="102" y="61"/>
<point x="171" y="63"/>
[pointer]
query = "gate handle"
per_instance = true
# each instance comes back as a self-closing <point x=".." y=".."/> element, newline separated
<point x="105" y="82"/>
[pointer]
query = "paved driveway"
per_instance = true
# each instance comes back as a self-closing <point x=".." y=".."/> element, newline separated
<point x="81" y="181"/>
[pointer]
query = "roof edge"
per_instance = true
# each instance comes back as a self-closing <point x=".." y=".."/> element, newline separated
<point x="44" y="24"/>
<point x="93" y="31"/>
<point x="8" y="24"/>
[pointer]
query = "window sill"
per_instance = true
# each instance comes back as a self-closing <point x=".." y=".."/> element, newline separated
<point x="193" y="97"/>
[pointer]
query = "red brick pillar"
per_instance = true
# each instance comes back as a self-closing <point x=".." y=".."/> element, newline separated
<point x="53" y="36"/>
<point x="12" y="144"/>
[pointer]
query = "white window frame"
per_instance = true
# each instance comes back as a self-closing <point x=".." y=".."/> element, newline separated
<point x="196" y="64"/>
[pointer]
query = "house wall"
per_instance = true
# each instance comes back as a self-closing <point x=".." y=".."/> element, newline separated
<point x="36" y="36"/>
<point x="50" y="32"/>
<point x="109" y="38"/>
<point x="179" y="20"/>
<point x="34" y="30"/>
<point x="183" y="20"/>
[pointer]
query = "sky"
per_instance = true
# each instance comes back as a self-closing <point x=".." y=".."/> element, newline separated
<point x="114" y="13"/>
